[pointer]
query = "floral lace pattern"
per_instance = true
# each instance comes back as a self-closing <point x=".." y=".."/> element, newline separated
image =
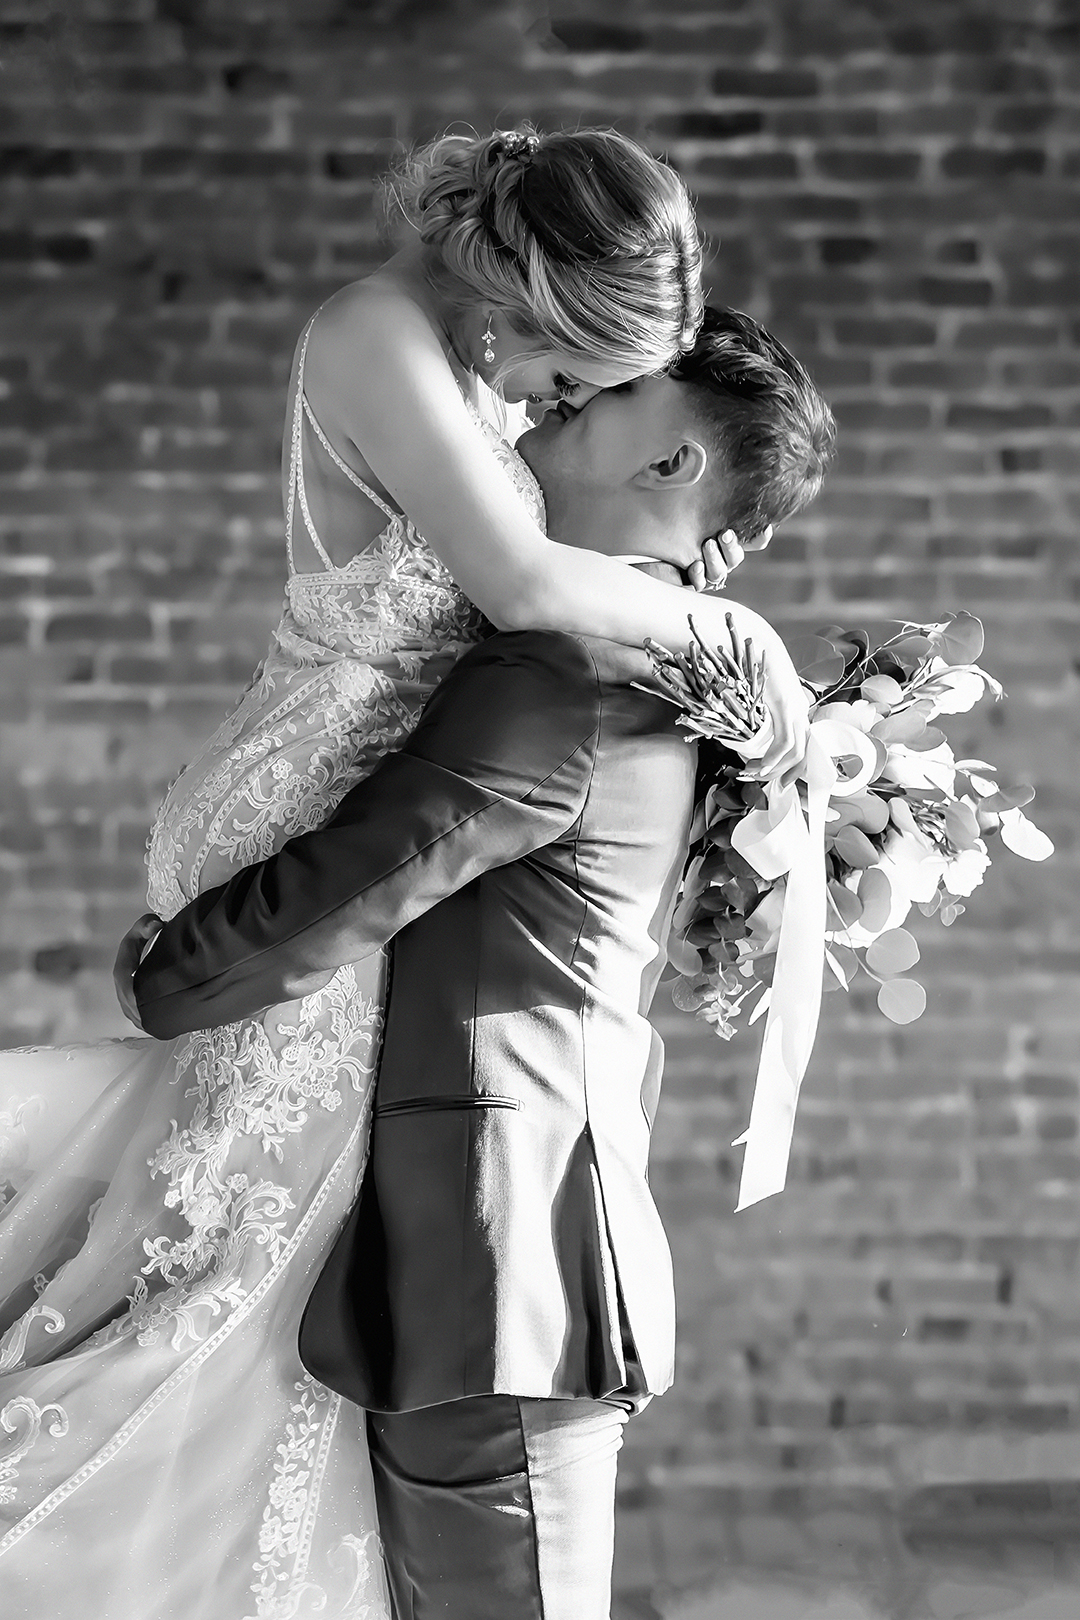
<point x="250" y="1088"/>
<point x="281" y="1582"/>
<point x="24" y="1420"/>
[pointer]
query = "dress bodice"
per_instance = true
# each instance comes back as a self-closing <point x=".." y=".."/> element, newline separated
<point x="357" y="653"/>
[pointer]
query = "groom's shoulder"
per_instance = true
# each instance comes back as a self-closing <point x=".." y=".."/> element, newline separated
<point x="567" y="657"/>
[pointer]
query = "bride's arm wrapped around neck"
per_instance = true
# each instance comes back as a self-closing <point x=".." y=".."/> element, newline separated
<point x="409" y="422"/>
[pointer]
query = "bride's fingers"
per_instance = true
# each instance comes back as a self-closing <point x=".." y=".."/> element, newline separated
<point x="716" y="563"/>
<point x="148" y="929"/>
<point x="127" y="960"/>
<point x="730" y="549"/>
<point x="696" y="575"/>
<point x="130" y="954"/>
<point x="758" y="542"/>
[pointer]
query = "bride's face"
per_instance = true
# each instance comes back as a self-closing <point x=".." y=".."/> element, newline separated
<point x="609" y="445"/>
<point x="527" y="369"/>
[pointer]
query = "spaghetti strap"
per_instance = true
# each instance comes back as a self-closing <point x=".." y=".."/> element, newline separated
<point x="297" y="490"/>
<point x="346" y="469"/>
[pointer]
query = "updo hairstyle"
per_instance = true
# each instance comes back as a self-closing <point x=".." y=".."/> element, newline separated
<point x="580" y="238"/>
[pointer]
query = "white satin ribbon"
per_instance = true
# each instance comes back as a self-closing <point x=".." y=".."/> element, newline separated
<point x="780" y="840"/>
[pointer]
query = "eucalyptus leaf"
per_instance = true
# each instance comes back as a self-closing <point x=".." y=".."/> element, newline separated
<point x="1008" y="798"/>
<point x="741" y="895"/>
<point x="961" y="827"/>
<point x="682" y="956"/>
<point x="902" y="1000"/>
<point x="739" y="866"/>
<point x="846" y="903"/>
<point x="871" y="812"/>
<point x="960" y="640"/>
<point x="1023" y="837"/>
<point x="712" y="900"/>
<point x="817" y="660"/>
<point x="854" y="848"/>
<point x="688" y="995"/>
<point x="875" y="892"/>
<point x="892" y="952"/>
<point x="843" y="962"/>
<point x="929" y="737"/>
<point x="882" y="689"/>
<point x="903" y="725"/>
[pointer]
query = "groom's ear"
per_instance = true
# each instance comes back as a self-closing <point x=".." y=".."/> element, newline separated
<point x="677" y="469"/>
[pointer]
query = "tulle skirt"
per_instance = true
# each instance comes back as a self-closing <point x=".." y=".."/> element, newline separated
<point x="163" y="1454"/>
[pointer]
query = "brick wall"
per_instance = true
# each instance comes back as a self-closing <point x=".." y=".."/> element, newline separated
<point x="892" y="185"/>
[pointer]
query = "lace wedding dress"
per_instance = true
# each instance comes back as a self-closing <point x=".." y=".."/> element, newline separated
<point x="163" y="1454"/>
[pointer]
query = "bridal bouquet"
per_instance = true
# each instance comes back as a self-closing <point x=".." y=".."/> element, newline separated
<point x="906" y="824"/>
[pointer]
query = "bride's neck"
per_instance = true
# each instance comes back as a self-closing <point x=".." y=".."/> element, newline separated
<point x="410" y="266"/>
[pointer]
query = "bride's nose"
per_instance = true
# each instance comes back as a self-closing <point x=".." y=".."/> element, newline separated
<point x="582" y="395"/>
<point x="554" y="397"/>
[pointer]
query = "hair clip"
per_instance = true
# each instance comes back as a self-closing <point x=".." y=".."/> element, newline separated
<point x="517" y="144"/>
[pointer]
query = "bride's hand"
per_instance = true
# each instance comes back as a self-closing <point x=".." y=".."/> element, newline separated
<point x="789" y="706"/>
<point x="133" y="948"/>
<point x="720" y="556"/>
<point x="785" y="696"/>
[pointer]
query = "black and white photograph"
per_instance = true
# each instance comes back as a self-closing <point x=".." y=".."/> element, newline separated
<point x="539" y="740"/>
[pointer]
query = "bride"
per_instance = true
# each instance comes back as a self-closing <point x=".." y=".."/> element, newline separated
<point x="163" y="1455"/>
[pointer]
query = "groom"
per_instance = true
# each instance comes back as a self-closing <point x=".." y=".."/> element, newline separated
<point x="500" y="1299"/>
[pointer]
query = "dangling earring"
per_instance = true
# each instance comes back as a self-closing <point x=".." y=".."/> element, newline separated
<point x="489" y="339"/>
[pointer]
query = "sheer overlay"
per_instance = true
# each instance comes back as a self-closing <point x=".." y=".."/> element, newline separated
<point x="163" y="1454"/>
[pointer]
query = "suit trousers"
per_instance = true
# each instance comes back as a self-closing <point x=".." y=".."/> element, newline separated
<point x="499" y="1508"/>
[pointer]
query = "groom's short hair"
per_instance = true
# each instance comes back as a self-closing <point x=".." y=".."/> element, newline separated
<point x="769" y="429"/>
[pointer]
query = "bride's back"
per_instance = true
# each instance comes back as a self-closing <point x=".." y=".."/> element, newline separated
<point x="362" y="643"/>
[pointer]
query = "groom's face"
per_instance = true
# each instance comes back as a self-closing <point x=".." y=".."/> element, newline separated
<point x="604" y="447"/>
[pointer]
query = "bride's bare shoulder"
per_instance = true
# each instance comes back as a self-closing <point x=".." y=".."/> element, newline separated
<point x="367" y="322"/>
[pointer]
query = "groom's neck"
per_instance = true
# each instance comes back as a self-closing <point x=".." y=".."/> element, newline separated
<point x="661" y="570"/>
<point x="618" y="528"/>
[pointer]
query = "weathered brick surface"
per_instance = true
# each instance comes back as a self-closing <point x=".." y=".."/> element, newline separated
<point x="894" y="188"/>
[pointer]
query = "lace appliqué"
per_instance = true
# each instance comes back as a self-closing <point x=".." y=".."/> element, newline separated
<point x="288" y="1521"/>
<point x="292" y="1504"/>
<point x="13" y="1343"/>
<point x="248" y="1087"/>
<point x="14" y="1142"/>
<point x="24" y="1419"/>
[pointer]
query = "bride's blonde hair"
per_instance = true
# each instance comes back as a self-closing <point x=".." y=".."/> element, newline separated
<point x="580" y="237"/>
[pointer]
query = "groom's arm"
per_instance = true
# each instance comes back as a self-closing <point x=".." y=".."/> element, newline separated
<point x="498" y="766"/>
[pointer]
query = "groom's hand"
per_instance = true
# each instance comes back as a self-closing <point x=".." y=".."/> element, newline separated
<point x="133" y="948"/>
<point x="721" y="555"/>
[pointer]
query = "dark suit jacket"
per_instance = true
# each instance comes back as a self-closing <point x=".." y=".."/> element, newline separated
<point x="522" y="851"/>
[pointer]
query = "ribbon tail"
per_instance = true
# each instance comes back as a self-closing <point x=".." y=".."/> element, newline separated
<point x="795" y="1003"/>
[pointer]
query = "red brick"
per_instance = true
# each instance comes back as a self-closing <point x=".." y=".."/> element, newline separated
<point x="748" y="166"/>
<point x="765" y="83"/>
<point x="593" y="34"/>
<point x="955" y="292"/>
<point x="710" y="124"/>
<point x="889" y="331"/>
<point x="1012" y="331"/>
<point x="992" y="162"/>
<point x="975" y="417"/>
<point x="871" y="165"/>
<point x="99" y="628"/>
